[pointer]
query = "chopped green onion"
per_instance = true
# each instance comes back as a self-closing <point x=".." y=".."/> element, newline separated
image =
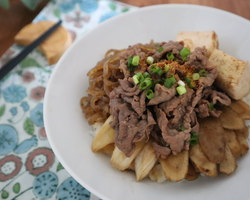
<point x="211" y="106"/>
<point x="181" y="90"/>
<point x="184" y="53"/>
<point x="156" y="69"/>
<point x="130" y="66"/>
<point x="139" y="76"/>
<point x="182" y="128"/>
<point x="135" y="60"/>
<point x="150" y="94"/>
<point x="170" y="56"/>
<point x="153" y="68"/>
<point x="169" y="82"/>
<point x="146" y="75"/>
<point x="188" y="80"/>
<point x="160" y="49"/>
<point x="196" y="76"/>
<point x="135" y="79"/>
<point x="203" y="73"/>
<point x="180" y="82"/>
<point x="146" y="83"/>
<point x="190" y="83"/>
<point x="129" y="61"/>
<point x="167" y="67"/>
<point x="194" y="138"/>
<point x="159" y="72"/>
<point x="150" y="60"/>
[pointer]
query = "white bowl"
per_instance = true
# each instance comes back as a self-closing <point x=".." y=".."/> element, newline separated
<point x="69" y="133"/>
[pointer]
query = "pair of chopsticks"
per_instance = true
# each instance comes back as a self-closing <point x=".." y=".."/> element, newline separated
<point x="18" y="58"/>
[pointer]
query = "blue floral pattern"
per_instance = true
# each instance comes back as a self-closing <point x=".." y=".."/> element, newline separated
<point x="36" y="115"/>
<point x="70" y="189"/>
<point x="30" y="169"/>
<point x="66" y="7"/>
<point x="8" y="138"/>
<point x="25" y="106"/>
<point x="14" y="93"/>
<point x="45" y="185"/>
<point x="88" y="6"/>
<point x="26" y="145"/>
<point x="13" y="111"/>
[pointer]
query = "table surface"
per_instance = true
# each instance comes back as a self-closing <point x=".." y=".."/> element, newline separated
<point x="12" y="20"/>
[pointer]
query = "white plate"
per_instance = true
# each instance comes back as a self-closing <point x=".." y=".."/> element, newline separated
<point x="69" y="132"/>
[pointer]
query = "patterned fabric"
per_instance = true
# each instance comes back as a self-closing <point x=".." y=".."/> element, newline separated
<point x="28" y="166"/>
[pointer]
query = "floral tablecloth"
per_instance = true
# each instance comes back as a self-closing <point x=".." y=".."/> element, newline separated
<point x="28" y="166"/>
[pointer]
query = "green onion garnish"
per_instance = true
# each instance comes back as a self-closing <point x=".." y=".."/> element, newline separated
<point x="150" y="60"/>
<point x="184" y="53"/>
<point x="130" y="66"/>
<point x="196" y="76"/>
<point x="188" y="80"/>
<point x="181" y="90"/>
<point x="190" y="83"/>
<point x="157" y="70"/>
<point x="182" y="128"/>
<point x="169" y="82"/>
<point x="170" y="56"/>
<point x="194" y="138"/>
<point x="211" y="106"/>
<point x="129" y="61"/>
<point x="146" y="75"/>
<point x="135" y="79"/>
<point x="166" y="68"/>
<point x="153" y="68"/>
<point x="135" y="60"/>
<point x="203" y="73"/>
<point x="138" y="76"/>
<point x="150" y="94"/>
<point x="160" y="49"/>
<point x="146" y="83"/>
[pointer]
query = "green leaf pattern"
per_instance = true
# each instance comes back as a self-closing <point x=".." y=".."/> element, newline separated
<point x="16" y="188"/>
<point x="28" y="126"/>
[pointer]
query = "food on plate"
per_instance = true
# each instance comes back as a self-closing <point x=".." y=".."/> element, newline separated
<point x="163" y="111"/>
<point x="228" y="165"/>
<point x="104" y="137"/>
<point x="192" y="173"/>
<point x="211" y="136"/>
<point x="175" y="167"/>
<point x="233" y="76"/>
<point x="201" y="162"/>
<point x="192" y="39"/>
<point x="157" y="174"/>
<point x="53" y="47"/>
<point x="145" y="161"/>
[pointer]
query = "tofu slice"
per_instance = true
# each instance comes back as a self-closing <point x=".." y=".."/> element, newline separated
<point x="193" y="39"/>
<point x="233" y="76"/>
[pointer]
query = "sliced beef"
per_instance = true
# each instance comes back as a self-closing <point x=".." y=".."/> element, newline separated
<point x="162" y="94"/>
<point x="198" y="58"/>
<point x="131" y="51"/>
<point x="128" y="87"/>
<point x="208" y="80"/>
<point x="161" y="151"/>
<point x="172" y="46"/>
<point x="210" y="98"/>
<point x="138" y="103"/>
<point x="168" y="118"/>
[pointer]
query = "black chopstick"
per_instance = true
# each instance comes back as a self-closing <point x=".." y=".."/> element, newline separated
<point x="18" y="58"/>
